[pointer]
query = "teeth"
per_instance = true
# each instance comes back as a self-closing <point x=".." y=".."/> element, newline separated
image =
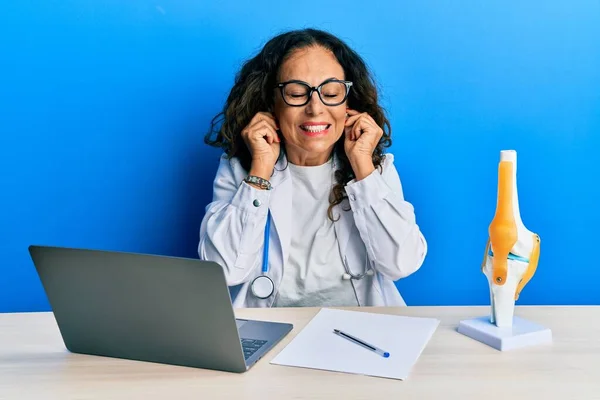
<point x="314" y="128"/>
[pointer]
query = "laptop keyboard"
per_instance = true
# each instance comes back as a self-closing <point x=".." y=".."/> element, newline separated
<point x="250" y="346"/>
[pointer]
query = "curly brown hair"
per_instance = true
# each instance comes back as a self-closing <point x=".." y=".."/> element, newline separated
<point x="253" y="92"/>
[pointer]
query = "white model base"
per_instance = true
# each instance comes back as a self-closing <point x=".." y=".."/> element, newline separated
<point x="523" y="333"/>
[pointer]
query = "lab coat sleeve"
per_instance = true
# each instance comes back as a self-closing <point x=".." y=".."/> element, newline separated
<point x="232" y="229"/>
<point x="386" y="222"/>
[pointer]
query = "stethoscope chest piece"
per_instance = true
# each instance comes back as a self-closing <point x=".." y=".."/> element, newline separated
<point x="262" y="287"/>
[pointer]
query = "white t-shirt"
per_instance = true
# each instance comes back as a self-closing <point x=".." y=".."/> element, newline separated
<point x="313" y="273"/>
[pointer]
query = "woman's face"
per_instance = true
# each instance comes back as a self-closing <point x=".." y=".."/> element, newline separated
<point x="310" y="131"/>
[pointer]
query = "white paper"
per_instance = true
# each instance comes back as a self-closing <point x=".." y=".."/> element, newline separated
<point x="317" y="347"/>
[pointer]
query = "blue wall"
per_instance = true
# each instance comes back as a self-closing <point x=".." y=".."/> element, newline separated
<point x="103" y="106"/>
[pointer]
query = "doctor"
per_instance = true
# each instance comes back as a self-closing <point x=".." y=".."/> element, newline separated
<point x="307" y="209"/>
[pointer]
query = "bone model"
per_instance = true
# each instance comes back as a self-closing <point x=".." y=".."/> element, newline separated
<point x="512" y="251"/>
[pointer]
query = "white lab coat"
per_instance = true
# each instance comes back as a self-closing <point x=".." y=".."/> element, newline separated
<point x="380" y="230"/>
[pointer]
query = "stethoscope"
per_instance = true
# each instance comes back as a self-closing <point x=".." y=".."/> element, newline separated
<point x="263" y="287"/>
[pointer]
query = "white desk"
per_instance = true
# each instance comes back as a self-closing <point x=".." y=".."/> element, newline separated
<point x="35" y="364"/>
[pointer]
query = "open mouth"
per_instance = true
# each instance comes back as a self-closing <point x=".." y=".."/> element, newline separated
<point x="315" y="129"/>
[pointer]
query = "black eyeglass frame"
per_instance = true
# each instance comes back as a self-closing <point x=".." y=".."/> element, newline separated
<point x="312" y="89"/>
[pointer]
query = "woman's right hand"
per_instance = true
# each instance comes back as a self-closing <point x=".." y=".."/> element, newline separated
<point x="263" y="142"/>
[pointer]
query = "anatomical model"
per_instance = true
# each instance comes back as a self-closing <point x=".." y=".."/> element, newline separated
<point x="512" y="251"/>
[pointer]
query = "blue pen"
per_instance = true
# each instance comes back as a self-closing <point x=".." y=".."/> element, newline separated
<point x="362" y="343"/>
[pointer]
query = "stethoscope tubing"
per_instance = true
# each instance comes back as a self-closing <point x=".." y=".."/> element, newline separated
<point x="265" y="264"/>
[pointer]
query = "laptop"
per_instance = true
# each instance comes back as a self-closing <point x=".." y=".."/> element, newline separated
<point x="150" y="308"/>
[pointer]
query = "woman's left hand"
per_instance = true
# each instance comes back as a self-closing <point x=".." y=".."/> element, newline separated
<point x="362" y="134"/>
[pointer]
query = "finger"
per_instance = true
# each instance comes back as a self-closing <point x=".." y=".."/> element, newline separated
<point x="254" y="123"/>
<point x="375" y="129"/>
<point x="348" y="132"/>
<point x="352" y="119"/>
<point x="271" y="136"/>
<point x="264" y="130"/>
<point x="364" y="121"/>
<point x="251" y="129"/>
<point x="357" y="130"/>
<point x="354" y="115"/>
<point x="263" y="117"/>
<point x="362" y="127"/>
<point x="272" y="117"/>
<point x="259" y="121"/>
<point x="260" y="125"/>
<point x="259" y="135"/>
<point x="370" y="119"/>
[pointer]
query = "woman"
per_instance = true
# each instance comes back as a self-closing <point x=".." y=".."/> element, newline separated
<point x="307" y="210"/>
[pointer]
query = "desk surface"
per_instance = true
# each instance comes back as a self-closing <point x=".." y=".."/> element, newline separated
<point x="35" y="364"/>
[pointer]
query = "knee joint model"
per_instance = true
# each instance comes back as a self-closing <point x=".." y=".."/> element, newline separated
<point x="512" y="251"/>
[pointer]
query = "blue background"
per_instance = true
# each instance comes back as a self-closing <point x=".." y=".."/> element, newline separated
<point x="104" y="105"/>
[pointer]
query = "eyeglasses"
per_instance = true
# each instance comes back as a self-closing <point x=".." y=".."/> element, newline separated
<point x="332" y="92"/>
